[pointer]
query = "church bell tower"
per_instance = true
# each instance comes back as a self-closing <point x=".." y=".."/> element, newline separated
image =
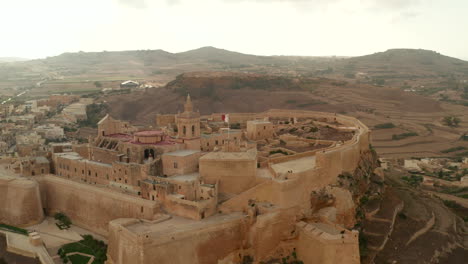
<point x="188" y="126"/>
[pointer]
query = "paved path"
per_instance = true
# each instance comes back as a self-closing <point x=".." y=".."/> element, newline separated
<point x="463" y="202"/>
<point x="20" y="243"/>
<point x="296" y="166"/>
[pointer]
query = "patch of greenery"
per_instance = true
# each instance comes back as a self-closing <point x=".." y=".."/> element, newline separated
<point x="463" y="154"/>
<point x="313" y="129"/>
<point x="278" y="151"/>
<point x="291" y="259"/>
<point x="94" y="112"/>
<point x="69" y="129"/>
<point x="451" y="121"/>
<point x="63" y="221"/>
<point x="431" y="90"/>
<point x="454" y="190"/>
<point x="384" y="126"/>
<point x="88" y="245"/>
<point x="14" y="229"/>
<point x="364" y="200"/>
<point x="404" y="135"/>
<point x="314" y="102"/>
<point x="78" y="259"/>
<point x="413" y="180"/>
<point x="235" y="126"/>
<point x="453" y="149"/>
<point x="452" y="204"/>
<point x="363" y="250"/>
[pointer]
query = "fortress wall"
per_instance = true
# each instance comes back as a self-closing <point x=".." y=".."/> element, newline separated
<point x="198" y="247"/>
<point x="271" y="229"/>
<point x="124" y="246"/>
<point x="330" y="163"/>
<point x="350" y="157"/>
<point x="92" y="207"/>
<point x="200" y="244"/>
<point x="261" y="192"/>
<point x="234" y="176"/>
<point x="292" y="157"/>
<point x="317" y="246"/>
<point x="20" y="202"/>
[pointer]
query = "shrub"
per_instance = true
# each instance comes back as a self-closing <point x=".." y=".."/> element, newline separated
<point x="413" y="180"/>
<point x="98" y="84"/>
<point x="279" y="151"/>
<point x="451" y="121"/>
<point x="64" y="221"/>
<point x="313" y="129"/>
<point x="453" y="149"/>
<point x="14" y="229"/>
<point x="451" y="204"/>
<point x="384" y="126"/>
<point x="235" y="126"/>
<point x="404" y="135"/>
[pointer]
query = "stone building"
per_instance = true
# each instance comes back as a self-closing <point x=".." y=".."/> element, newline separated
<point x="34" y="166"/>
<point x="259" y="129"/>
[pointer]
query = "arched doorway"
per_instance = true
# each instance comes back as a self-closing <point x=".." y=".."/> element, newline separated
<point x="149" y="153"/>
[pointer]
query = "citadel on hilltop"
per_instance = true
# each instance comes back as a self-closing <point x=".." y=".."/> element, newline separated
<point x="196" y="189"/>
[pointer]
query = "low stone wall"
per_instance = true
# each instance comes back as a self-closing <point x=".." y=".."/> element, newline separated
<point x="20" y="202"/>
<point x="92" y="207"/>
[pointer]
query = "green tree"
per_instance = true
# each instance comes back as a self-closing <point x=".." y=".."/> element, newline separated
<point x="98" y="84"/>
<point x="451" y="121"/>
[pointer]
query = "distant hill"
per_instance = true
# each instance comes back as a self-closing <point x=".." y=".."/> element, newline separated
<point x="402" y="68"/>
<point x="409" y="61"/>
<point x="11" y="59"/>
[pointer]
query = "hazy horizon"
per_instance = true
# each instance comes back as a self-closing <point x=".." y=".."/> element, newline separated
<point x="259" y="27"/>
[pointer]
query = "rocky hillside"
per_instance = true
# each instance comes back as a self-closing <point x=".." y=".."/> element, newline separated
<point x="236" y="92"/>
<point x="400" y="67"/>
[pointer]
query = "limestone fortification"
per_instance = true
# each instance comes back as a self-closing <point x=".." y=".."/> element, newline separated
<point x="20" y="201"/>
<point x="221" y="188"/>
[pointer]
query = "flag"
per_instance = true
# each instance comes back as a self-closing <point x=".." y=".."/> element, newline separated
<point x="225" y="118"/>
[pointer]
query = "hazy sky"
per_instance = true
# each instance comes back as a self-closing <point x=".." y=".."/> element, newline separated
<point x="40" y="28"/>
